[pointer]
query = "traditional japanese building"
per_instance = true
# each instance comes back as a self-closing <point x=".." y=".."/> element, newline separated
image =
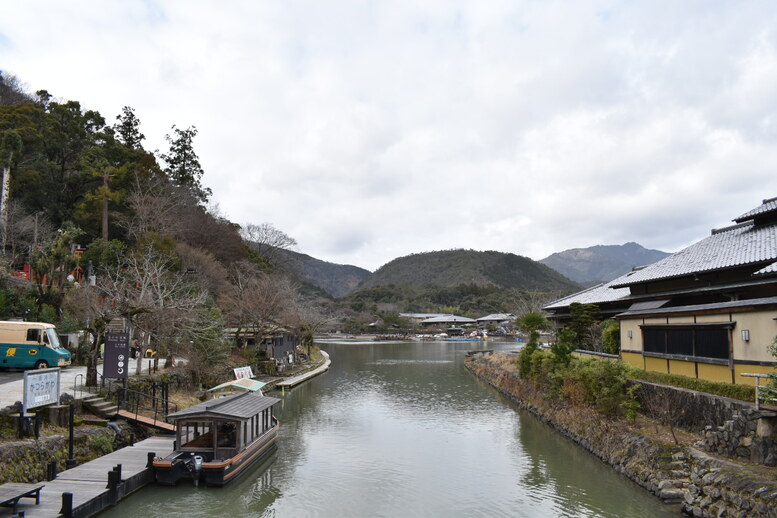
<point x="708" y="311"/>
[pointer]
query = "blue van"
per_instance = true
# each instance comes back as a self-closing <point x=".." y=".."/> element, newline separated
<point x="29" y="345"/>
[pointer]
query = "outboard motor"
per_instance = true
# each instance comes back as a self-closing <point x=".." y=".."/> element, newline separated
<point x="197" y="468"/>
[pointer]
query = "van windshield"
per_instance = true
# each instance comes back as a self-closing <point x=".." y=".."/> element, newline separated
<point x="53" y="338"/>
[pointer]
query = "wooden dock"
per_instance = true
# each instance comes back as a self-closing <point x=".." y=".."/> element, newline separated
<point x="90" y="484"/>
<point x="162" y="426"/>
<point x="296" y="380"/>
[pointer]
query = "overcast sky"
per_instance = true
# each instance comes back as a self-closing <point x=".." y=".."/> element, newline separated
<point x="368" y="130"/>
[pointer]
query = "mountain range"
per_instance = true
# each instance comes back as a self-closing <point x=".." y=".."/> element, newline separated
<point x="562" y="271"/>
<point x="601" y="263"/>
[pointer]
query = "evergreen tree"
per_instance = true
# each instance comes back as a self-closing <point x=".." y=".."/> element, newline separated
<point x="183" y="165"/>
<point x="128" y="129"/>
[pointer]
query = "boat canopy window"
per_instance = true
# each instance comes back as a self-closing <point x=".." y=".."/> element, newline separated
<point x="227" y="435"/>
<point x="196" y="434"/>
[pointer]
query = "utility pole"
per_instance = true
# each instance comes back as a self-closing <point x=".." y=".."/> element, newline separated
<point x="106" y="193"/>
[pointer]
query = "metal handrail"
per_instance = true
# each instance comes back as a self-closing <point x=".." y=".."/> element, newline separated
<point x="771" y="394"/>
<point x="161" y="406"/>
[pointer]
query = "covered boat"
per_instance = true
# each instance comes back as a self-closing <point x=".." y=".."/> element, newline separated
<point x="220" y="439"/>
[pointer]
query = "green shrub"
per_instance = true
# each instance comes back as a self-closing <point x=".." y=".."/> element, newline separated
<point x="102" y="444"/>
<point x="740" y="392"/>
<point x="602" y="384"/>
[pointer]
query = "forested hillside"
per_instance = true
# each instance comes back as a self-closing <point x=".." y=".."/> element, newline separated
<point x="469" y="267"/>
<point x="336" y="279"/>
<point x="100" y="229"/>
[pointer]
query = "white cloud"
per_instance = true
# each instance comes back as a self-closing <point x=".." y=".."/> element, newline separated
<point x="373" y="130"/>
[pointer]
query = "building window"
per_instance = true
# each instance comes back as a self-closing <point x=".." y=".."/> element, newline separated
<point x="696" y="341"/>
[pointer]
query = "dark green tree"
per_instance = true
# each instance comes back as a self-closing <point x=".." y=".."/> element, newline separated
<point x="531" y="323"/>
<point x="128" y="129"/>
<point x="183" y="165"/>
<point x="583" y="317"/>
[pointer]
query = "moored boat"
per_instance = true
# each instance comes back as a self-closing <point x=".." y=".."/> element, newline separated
<point x="219" y="440"/>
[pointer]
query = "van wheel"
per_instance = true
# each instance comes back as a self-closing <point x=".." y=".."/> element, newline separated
<point x="41" y="364"/>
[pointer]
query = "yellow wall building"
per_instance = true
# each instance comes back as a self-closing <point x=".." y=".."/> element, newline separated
<point x="708" y="311"/>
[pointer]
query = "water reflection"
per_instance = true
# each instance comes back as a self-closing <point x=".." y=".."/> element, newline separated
<point x="401" y="429"/>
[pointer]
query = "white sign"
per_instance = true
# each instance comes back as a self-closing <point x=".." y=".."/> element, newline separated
<point x="243" y="372"/>
<point x="41" y="387"/>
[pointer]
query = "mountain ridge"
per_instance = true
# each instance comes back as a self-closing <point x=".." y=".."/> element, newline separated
<point x="601" y="263"/>
<point x="449" y="268"/>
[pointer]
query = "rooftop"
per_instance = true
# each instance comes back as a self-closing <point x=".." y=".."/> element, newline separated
<point x="598" y="294"/>
<point x="241" y="406"/>
<point x="740" y="245"/>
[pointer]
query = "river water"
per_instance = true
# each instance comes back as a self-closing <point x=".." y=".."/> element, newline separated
<point x="402" y="429"/>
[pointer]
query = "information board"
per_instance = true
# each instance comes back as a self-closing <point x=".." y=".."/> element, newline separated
<point x="116" y="364"/>
<point x="243" y="372"/>
<point x="41" y="388"/>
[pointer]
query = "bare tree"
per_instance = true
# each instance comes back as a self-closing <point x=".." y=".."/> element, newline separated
<point x="665" y="405"/>
<point x="156" y="207"/>
<point x="94" y="310"/>
<point x="307" y="319"/>
<point x="532" y="302"/>
<point x="258" y="302"/>
<point x="151" y="295"/>
<point x="25" y="231"/>
<point x="204" y="269"/>
<point x="267" y="240"/>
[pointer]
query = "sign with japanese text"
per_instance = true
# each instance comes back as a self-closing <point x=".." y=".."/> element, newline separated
<point x="41" y="388"/>
<point x="116" y="364"/>
<point x="243" y="372"/>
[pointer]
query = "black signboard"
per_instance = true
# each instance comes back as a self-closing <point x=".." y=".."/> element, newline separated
<point x="116" y="362"/>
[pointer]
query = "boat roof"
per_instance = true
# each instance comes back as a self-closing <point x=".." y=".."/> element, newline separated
<point x="241" y="406"/>
<point x="242" y="383"/>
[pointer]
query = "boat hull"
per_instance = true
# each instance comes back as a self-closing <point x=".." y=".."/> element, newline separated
<point x="178" y="465"/>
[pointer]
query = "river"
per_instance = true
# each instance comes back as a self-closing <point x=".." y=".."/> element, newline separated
<point x="402" y="429"/>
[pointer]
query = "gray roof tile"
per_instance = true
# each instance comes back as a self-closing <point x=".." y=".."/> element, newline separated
<point x="595" y="295"/>
<point x="240" y="406"/>
<point x="769" y="270"/>
<point x="739" y="245"/>
<point x="767" y="206"/>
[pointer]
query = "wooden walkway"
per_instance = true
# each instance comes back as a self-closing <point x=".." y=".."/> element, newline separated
<point x="147" y="421"/>
<point x="88" y="482"/>
<point x="296" y="380"/>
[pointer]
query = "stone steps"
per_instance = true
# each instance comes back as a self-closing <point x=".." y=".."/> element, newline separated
<point x="100" y="407"/>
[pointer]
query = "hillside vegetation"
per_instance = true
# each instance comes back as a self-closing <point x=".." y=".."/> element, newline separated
<point x="469" y="267"/>
<point x="337" y="280"/>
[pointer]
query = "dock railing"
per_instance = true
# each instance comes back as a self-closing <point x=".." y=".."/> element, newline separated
<point x="764" y="394"/>
<point x="146" y="405"/>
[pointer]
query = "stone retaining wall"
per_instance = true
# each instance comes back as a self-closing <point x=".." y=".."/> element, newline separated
<point x="26" y="460"/>
<point x="727" y="427"/>
<point x="701" y="485"/>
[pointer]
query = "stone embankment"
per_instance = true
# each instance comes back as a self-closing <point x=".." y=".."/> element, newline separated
<point x="699" y="484"/>
<point x="27" y="460"/>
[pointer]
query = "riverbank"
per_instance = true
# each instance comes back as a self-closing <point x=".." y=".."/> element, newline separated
<point x="681" y="475"/>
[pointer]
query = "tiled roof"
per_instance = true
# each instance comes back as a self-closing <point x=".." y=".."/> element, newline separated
<point x="242" y="406"/>
<point x="596" y="295"/>
<point x="739" y="245"/>
<point x="767" y="206"/>
<point x="769" y="270"/>
<point x="447" y="318"/>
<point x="497" y="317"/>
